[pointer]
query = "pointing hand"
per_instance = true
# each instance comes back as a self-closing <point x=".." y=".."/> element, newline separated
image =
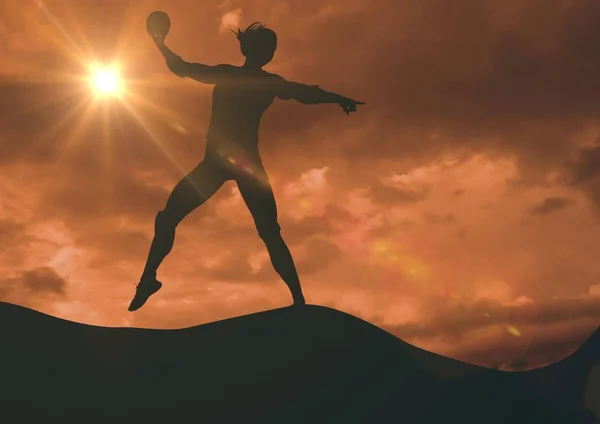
<point x="349" y="105"/>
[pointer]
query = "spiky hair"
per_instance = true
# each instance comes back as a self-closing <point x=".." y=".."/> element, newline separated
<point x="252" y="28"/>
<point x="257" y="34"/>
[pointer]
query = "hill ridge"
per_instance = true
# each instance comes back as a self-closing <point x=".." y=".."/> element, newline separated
<point x="324" y="365"/>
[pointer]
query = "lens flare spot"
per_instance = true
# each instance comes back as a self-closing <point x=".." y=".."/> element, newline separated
<point x="513" y="331"/>
<point x="178" y="127"/>
<point x="386" y="253"/>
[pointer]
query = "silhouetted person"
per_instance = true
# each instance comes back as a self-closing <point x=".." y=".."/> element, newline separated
<point x="240" y="97"/>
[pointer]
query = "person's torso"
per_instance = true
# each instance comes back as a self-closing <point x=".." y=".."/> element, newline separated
<point x="238" y="105"/>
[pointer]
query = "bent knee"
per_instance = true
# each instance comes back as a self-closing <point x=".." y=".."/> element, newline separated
<point x="166" y="219"/>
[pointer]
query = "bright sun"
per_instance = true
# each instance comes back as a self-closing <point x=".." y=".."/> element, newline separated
<point x="106" y="81"/>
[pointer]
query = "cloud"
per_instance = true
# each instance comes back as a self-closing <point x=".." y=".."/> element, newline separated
<point x="319" y="253"/>
<point x="551" y="204"/>
<point x="586" y="166"/>
<point x="296" y="231"/>
<point x="236" y="265"/>
<point x="383" y="193"/>
<point x="90" y="198"/>
<point x="108" y="246"/>
<point x="583" y="172"/>
<point x="231" y="20"/>
<point x="461" y="317"/>
<point x="33" y="287"/>
<point x="43" y="280"/>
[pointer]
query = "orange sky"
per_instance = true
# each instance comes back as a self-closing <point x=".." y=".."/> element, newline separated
<point x="458" y="209"/>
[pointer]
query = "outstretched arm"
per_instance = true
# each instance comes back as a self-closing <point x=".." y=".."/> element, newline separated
<point x="312" y="94"/>
<point x="197" y="71"/>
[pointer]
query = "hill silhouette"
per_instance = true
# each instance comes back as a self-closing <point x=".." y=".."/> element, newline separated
<point x="305" y="365"/>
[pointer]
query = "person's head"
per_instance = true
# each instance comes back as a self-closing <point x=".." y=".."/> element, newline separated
<point x="258" y="43"/>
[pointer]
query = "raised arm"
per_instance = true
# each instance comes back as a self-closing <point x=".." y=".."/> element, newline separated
<point x="311" y="94"/>
<point x="196" y="71"/>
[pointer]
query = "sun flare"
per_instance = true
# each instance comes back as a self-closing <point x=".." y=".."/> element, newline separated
<point x="106" y="81"/>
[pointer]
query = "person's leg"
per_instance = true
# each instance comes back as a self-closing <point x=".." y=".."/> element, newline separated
<point x="258" y="196"/>
<point x="192" y="191"/>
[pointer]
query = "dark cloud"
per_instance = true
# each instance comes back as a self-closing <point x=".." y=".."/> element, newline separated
<point x="388" y="195"/>
<point x="515" y="79"/>
<point x="43" y="280"/>
<point x="33" y="286"/>
<point x="491" y="64"/>
<point x="586" y="166"/>
<point x="551" y="204"/>
<point x="583" y="172"/>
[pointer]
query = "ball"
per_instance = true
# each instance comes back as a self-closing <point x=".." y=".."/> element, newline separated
<point x="158" y="23"/>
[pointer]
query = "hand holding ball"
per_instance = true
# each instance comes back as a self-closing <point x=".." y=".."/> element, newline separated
<point x="158" y="24"/>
